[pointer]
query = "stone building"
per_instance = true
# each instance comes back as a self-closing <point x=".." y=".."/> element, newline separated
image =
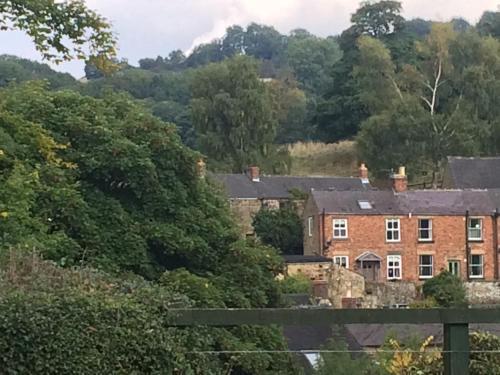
<point x="406" y="235"/>
<point x="249" y="192"/>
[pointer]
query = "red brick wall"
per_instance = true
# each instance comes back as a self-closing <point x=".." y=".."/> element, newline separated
<point x="367" y="233"/>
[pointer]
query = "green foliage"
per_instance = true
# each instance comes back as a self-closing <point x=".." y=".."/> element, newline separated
<point x="281" y="228"/>
<point x="446" y="289"/>
<point x="107" y="325"/>
<point x="234" y="115"/>
<point x="61" y="30"/>
<point x="14" y="69"/>
<point x="430" y="107"/>
<point x="298" y="283"/>
<point x="484" y="363"/>
<point x="341" y="362"/>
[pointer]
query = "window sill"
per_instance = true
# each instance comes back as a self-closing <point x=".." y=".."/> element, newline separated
<point x="476" y="277"/>
<point x="478" y="240"/>
<point x="340" y="238"/>
<point x="425" y="277"/>
<point x="425" y="241"/>
<point x="394" y="279"/>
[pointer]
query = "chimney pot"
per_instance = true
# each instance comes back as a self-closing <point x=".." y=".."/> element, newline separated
<point x="201" y="168"/>
<point x="363" y="172"/>
<point x="254" y="173"/>
<point x="400" y="180"/>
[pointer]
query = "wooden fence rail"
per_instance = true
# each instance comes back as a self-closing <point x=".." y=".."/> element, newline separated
<point x="455" y="321"/>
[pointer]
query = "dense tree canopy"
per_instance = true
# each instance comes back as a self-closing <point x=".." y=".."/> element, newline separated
<point x="233" y="114"/>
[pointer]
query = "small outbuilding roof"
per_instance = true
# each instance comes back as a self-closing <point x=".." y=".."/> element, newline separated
<point x="474" y="173"/>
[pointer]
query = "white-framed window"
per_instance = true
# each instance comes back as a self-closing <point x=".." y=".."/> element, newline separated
<point x="476" y="266"/>
<point x="424" y="229"/>
<point x="341" y="260"/>
<point x="394" y="267"/>
<point x="339" y="228"/>
<point x="454" y="267"/>
<point x="425" y="266"/>
<point x="475" y="229"/>
<point x="392" y="230"/>
<point x="310" y="226"/>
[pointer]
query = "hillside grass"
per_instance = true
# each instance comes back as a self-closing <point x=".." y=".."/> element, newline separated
<point x="323" y="159"/>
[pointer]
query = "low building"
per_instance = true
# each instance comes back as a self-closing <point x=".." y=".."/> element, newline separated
<point x="472" y="173"/>
<point x="406" y="235"/>
<point x="249" y="192"/>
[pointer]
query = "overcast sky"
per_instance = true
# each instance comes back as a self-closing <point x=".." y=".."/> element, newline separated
<point x="148" y="28"/>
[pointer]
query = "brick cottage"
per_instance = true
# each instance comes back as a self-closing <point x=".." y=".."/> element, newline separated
<point x="406" y="235"/>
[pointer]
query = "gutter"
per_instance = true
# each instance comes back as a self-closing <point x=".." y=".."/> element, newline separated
<point x="495" y="242"/>
<point x="467" y="247"/>
<point x="323" y="235"/>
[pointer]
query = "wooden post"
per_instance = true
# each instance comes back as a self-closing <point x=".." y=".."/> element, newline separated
<point x="456" y="349"/>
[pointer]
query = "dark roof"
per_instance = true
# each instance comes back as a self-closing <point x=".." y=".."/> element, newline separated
<point x="480" y="173"/>
<point x="359" y="336"/>
<point x="278" y="187"/>
<point x="374" y="335"/>
<point x="419" y="202"/>
<point x="306" y="259"/>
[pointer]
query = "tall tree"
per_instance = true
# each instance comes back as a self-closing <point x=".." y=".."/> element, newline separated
<point x="433" y="107"/>
<point x="341" y="111"/>
<point x="233" y="113"/>
<point x="61" y="30"/>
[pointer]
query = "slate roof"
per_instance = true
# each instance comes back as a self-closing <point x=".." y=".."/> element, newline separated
<point x="418" y="202"/>
<point x="306" y="259"/>
<point x="359" y="336"/>
<point x="374" y="335"/>
<point x="278" y="187"/>
<point x="480" y="173"/>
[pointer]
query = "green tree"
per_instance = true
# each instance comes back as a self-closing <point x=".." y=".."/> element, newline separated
<point x="489" y="24"/>
<point x="281" y="228"/>
<point x="446" y="289"/>
<point x="434" y="94"/>
<point x="61" y="30"/>
<point x="233" y="114"/>
<point x="312" y="59"/>
<point x="340" y="361"/>
<point x="102" y="183"/>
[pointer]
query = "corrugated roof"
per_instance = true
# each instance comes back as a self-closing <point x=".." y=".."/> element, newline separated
<point x="419" y="202"/>
<point x="278" y="187"/>
<point x="480" y="173"/>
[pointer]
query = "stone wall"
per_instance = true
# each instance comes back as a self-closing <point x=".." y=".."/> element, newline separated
<point x="342" y="284"/>
<point x="483" y="293"/>
<point x="345" y="284"/>
<point x="244" y="211"/>
<point x="316" y="271"/>
<point x="378" y="295"/>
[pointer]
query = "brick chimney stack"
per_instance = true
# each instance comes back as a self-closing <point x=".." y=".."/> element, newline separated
<point x="363" y="172"/>
<point x="254" y="173"/>
<point x="399" y="180"/>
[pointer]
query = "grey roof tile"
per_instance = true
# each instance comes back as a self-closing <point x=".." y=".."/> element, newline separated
<point x="481" y="173"/>
<point x="278" y="187"/>
<point x="418" y="202"/>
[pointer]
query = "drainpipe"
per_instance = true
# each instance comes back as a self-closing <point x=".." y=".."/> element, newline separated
<point x="495" y="242"/>
<point x="323" y="242"/>
<point x="467" y="248"/>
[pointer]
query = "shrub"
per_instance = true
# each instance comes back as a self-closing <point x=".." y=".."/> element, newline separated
<point x="484" y="363"/>
<point x="446" y="289"/>
<point x="281" y="229"/>
<point x="296" y="284"/>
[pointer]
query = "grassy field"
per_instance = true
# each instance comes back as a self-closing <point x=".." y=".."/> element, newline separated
<point x="322" y="159"/>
